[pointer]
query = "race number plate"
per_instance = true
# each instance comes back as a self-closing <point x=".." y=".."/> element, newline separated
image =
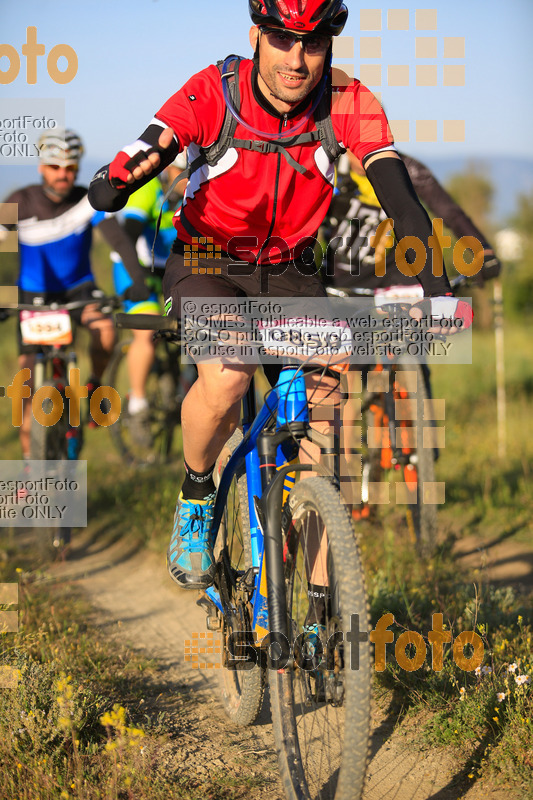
<point x="46" y="327"/>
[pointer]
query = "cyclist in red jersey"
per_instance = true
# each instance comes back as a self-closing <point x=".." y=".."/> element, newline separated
<point x="262" y="203"/>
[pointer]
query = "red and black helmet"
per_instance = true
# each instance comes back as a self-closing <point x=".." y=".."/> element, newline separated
<point x="327" y="17"/>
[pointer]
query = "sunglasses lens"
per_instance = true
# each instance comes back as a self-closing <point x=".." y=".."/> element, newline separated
<point x="316" y="45"/>
<point x="285" y="41"/>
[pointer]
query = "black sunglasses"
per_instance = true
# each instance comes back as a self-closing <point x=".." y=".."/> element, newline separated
<point x="312" y="43"/>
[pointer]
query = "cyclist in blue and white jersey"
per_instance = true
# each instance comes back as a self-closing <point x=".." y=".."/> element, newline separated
<point x="55" y="224"/>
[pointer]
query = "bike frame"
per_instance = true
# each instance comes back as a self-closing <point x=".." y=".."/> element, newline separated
<point x="54" y="355"/>
<point x="266" y="470"/>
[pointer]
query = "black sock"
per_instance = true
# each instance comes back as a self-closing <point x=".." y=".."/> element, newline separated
<point x="198" y="485"/>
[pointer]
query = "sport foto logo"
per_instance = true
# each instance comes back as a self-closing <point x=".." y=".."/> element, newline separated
<point x="18" y="390"/>
<point x="276" y="249"/>
<point x="308" y="652"/>
<point x="32" y="49"/>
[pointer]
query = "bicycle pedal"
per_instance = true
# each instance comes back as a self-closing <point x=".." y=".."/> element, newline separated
<point x="213" y="621"/>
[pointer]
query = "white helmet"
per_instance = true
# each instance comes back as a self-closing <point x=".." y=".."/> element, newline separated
<point x="61" y="147"/>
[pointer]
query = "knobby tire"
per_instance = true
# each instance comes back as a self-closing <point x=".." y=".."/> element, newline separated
<point x="321" y="719"/>
<point x="242" y="686"/>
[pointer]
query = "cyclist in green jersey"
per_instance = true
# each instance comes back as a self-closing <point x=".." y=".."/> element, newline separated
<point x="139" y="219"/>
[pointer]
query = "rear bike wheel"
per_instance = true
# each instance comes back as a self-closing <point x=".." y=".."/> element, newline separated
<point x="416" y="459"/>
<point x="242" y="682"/>
<point x="164" y="395"/>
<point x="421" y="515"/>
<point x="321" y="706"/>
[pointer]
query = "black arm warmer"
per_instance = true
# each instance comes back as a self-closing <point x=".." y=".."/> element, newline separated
<point x="395" y="192"/>
<point x="118" y="239"/>
<point x="133" y="227"/>
<point x="104" y="197"/>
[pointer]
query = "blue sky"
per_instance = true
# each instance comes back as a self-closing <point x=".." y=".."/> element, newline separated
<point x="134" y="54"/>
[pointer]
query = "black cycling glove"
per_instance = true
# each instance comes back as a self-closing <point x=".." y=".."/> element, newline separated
<point x="491" y="269"/>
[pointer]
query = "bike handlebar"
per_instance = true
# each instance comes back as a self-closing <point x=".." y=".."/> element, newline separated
<point x="105" y="304"/>
<point x="147" y="322"/>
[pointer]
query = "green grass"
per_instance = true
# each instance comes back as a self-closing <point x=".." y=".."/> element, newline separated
<point x="488" y="495"/>
<point x="83" y="723"/>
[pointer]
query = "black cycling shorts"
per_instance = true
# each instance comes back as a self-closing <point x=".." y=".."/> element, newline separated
<point x="187" y="276"/>
<point x="85" y="291"/>
<point x="223" y="277"/>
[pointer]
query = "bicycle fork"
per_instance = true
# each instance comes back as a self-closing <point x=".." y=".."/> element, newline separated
<point x="292" y="426"/>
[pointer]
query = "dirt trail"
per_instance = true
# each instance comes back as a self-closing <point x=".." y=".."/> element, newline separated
<point x="138" y="603"/>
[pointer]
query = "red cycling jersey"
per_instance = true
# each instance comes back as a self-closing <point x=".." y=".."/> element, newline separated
<point x="234" y="202"/>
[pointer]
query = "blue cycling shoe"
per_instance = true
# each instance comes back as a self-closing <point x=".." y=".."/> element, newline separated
<point x="315" y="643"/>
<point x="190" y="558"/>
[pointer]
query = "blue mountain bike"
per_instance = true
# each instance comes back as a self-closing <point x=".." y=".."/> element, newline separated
<point x="280" y="535"/>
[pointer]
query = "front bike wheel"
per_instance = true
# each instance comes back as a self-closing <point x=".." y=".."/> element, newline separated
<point x="48" y="442"/>
<point x="164" y="402"/>
<point x="54" y="543"/>
<point x="321" y="704"/>
<point x="242" y="683"/>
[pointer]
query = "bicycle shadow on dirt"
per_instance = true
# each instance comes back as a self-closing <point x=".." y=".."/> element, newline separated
<point x="107" y="524"/>
<point x="101" y="538"/>
<point x="415" y="774"/>
<point x="393" y="716"/>
<point x="488" y="544"/>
